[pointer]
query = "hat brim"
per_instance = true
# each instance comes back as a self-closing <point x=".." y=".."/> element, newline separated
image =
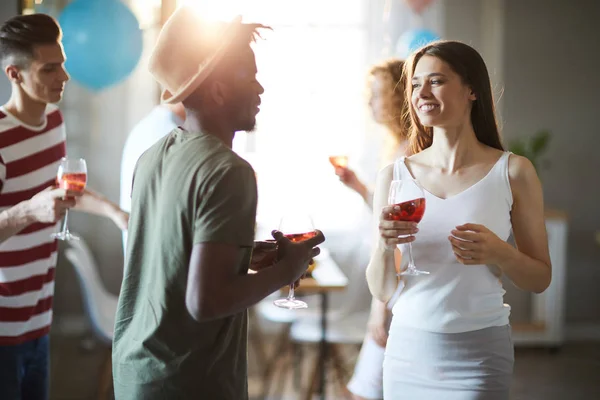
<point x="204" y="69"/>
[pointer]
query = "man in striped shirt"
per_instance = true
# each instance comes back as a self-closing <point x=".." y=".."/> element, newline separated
<point x="32" y="142"/>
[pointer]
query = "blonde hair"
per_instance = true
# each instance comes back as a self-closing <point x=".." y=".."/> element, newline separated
<point x="390" y="72"/>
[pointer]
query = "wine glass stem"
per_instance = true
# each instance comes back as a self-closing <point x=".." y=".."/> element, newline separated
<point x="291" y="294"/>
<point x="411" y="263"/>
<point x="64" y="228"/>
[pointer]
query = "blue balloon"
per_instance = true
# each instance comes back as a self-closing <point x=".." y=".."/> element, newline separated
<point x="414" y="39"/>
<point x="102" y="40"/>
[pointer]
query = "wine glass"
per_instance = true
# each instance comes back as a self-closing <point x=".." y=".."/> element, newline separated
<point x="409" y="197"/>
<point x="71" y="175"/>
<point x="297" y="228"/>
<point x="340" y="161"/>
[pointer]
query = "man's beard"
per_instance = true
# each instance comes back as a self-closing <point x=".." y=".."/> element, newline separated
<point x="247" y="125"/>
<point x="239" y="112"/>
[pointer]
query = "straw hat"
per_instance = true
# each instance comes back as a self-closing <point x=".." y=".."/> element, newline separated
<point x="187" y="50"/>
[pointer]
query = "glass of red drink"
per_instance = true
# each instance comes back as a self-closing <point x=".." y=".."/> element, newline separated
<point x="72" y="176"/>
<point x="410" y="198"/>
<point x="297" y="228"/>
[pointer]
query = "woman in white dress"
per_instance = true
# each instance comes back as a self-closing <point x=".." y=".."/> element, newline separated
<point x="450" y="334"/>
<point x="388" y="107"/>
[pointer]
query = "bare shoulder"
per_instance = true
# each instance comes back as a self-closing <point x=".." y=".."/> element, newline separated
<point x="386" y="173"/>
<point x="521" y="170"/>
<point x="524" y="182"/>
<point x="380" y="194"/>
<point x="384" y="177"/>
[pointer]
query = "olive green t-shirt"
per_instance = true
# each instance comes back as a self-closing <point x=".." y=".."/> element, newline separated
<point x="188" y="188"/>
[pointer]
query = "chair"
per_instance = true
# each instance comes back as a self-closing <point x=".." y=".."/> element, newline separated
<point x="100" y="305"/>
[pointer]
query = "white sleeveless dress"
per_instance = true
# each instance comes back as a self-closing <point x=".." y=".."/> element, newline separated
<point x="450" y="335"/>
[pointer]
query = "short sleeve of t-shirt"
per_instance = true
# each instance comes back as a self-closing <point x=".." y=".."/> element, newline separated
<point x="227" y="214"/>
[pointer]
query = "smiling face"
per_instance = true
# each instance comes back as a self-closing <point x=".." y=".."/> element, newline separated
<point x="439" y="96"/>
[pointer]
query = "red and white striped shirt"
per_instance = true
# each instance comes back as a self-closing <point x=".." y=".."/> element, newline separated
<point x="29" y="159"/>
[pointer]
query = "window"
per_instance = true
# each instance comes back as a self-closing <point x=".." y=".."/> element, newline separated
<point x="313" y="68"/>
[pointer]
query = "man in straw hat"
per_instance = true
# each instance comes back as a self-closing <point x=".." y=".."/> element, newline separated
<point x="181" y="327"/>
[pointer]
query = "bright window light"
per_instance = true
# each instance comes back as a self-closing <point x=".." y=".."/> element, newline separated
<point x="313" y="68"/>
<point x="221" y="10"/>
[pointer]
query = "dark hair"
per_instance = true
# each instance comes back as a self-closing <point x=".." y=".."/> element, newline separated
<point x="469" y="65"/>
<point x="245" y="36"/>
<point x="19" y="36"/>
<point x="391" y="71"/>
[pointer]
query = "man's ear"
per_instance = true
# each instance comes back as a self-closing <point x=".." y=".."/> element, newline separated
<point x="13" y="73"/>
<point x="218" y="92"/>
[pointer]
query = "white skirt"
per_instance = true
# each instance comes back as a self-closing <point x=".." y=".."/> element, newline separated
<point x="424" y="365"/>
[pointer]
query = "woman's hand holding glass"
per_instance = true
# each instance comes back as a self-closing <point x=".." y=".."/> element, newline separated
<point x="394" y="232"/>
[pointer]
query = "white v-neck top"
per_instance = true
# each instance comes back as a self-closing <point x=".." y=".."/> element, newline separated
<point x="456" y="297"/>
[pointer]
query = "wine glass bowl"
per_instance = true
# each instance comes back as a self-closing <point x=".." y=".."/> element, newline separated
<point x="339" y="161"/>
<point x="411" y="210"/>
<point x="71" y="176"/>
<point x="72" y="181"/>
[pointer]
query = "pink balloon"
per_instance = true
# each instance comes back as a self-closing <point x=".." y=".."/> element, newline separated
<point x="418" y="6"/>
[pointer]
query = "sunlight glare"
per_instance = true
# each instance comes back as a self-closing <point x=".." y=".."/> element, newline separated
<point x="252" y="11"/>
<point x="222" y="10"/>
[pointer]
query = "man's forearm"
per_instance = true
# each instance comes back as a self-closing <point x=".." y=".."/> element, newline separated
<point x="247" y="290"/>
<point x="14" y="220"/>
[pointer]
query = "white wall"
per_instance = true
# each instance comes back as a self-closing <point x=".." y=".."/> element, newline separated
<point x="552" y="82"/>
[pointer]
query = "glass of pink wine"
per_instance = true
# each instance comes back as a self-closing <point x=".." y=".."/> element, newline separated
<point x="71" y="175"/>
<point x="297" y="228"/>
<point x="409" y="197"/>
<point x="340" y="161"/>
